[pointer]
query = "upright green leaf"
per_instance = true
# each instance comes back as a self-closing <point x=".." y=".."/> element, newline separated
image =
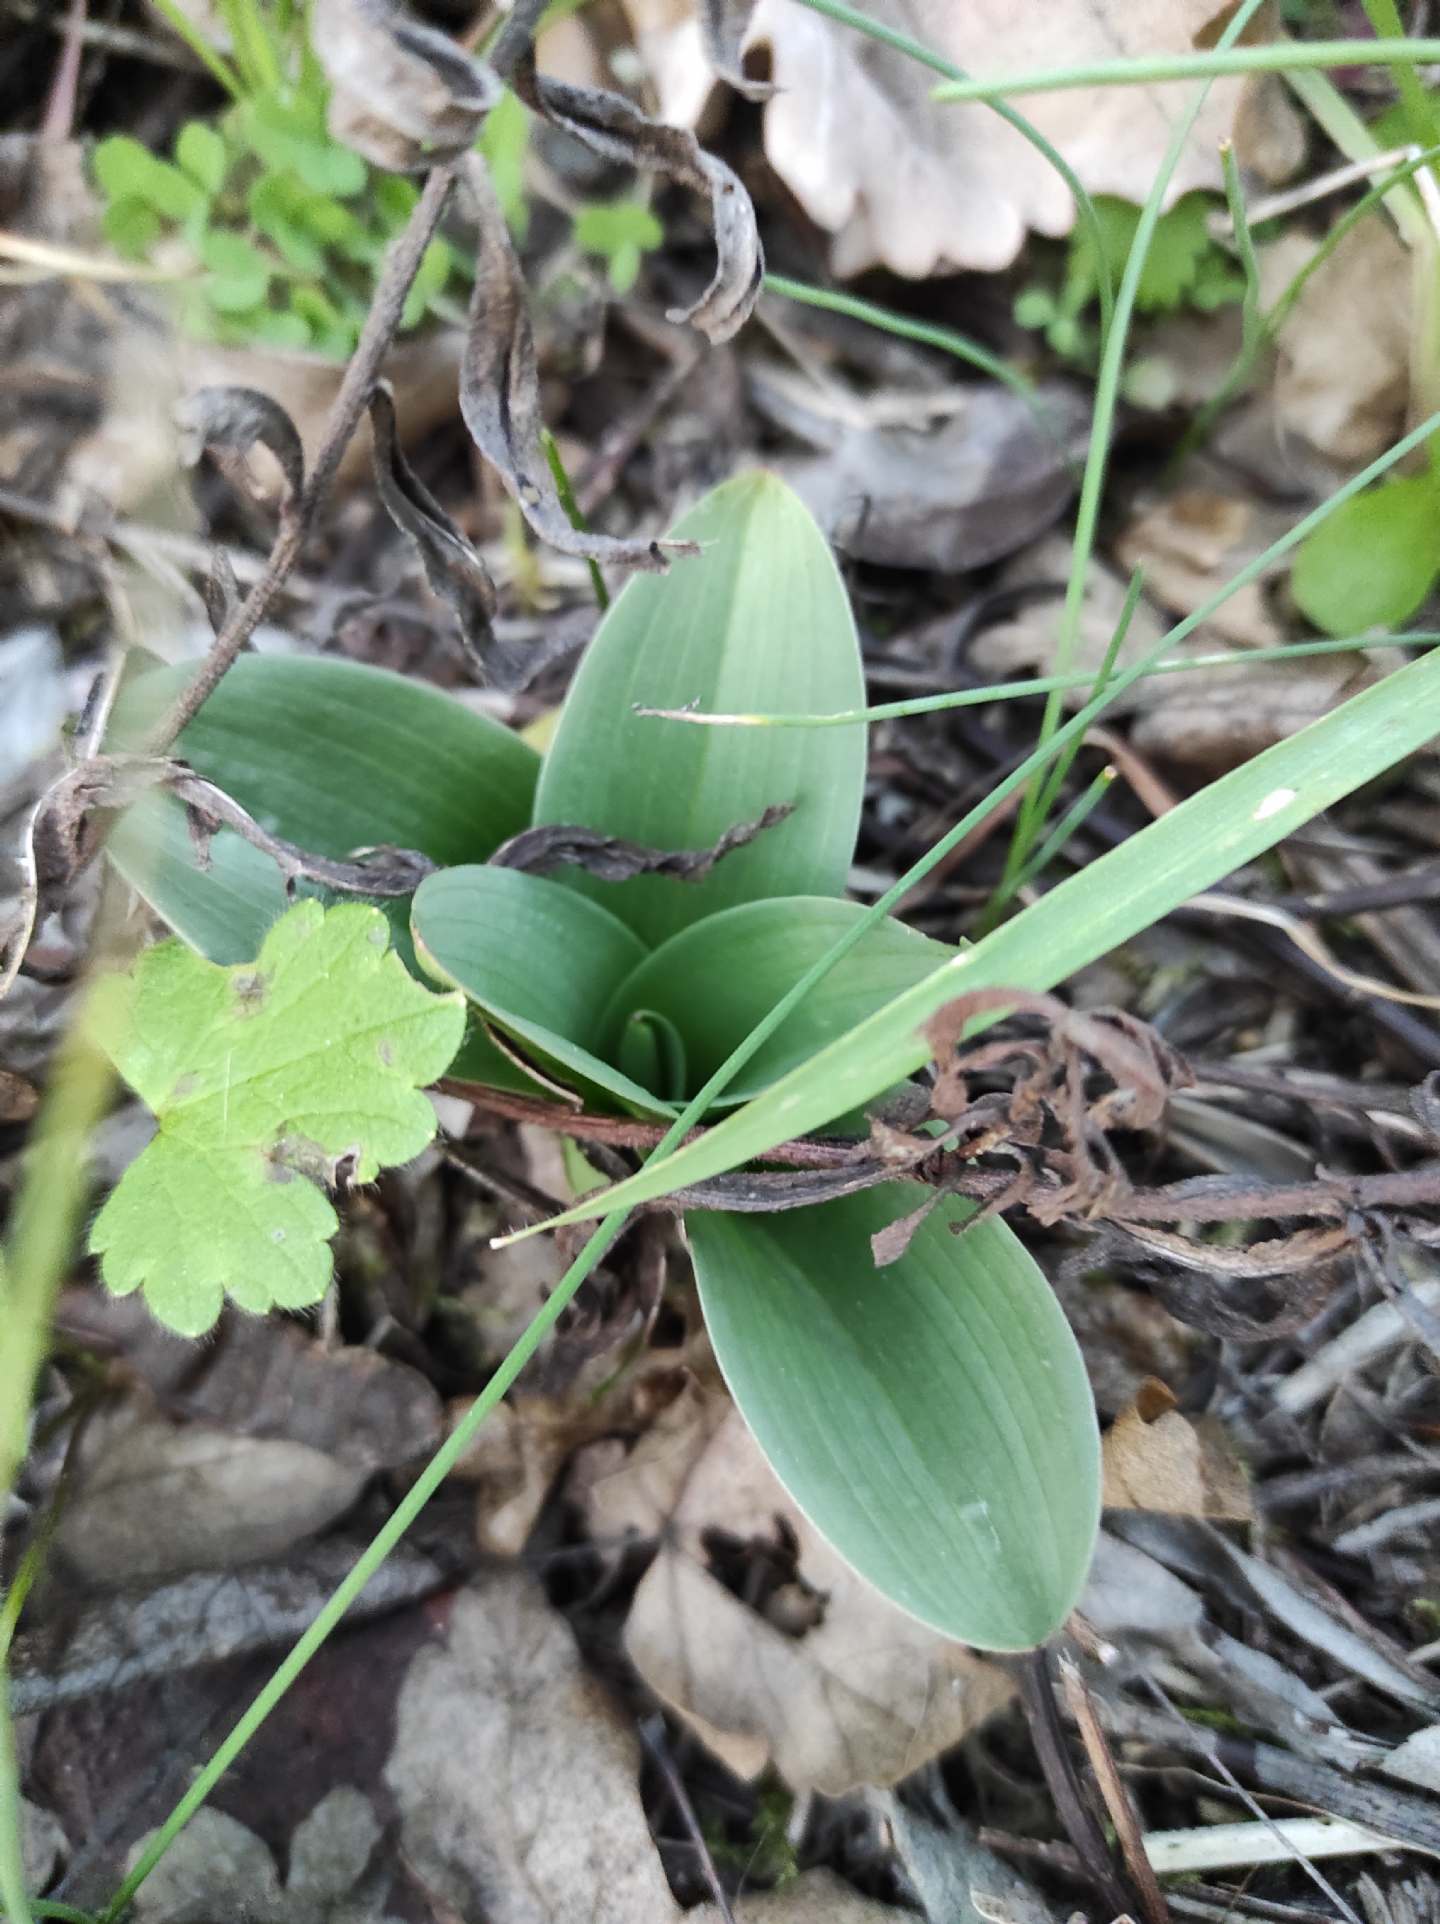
<point x="1190" y="849"/>
<point x="541" y="961"/>
<point x="759" y="619"/>
<point x="331" y="756"/>
<point x="932" y="1419"/>
<point x="718" y="978"/>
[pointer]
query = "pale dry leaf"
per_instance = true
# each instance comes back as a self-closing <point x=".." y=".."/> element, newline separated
<point x="1192" y="542"/>
<point x="1215" y="718"/>
<point x="401" y="94"/>
<point x="1025" y="642"/>
<point x="1153" y="1458"/>
<point x="922" y="187"/>
<point x="516" y="1778"/>
<point x="43" y="1845"/>
<point x="217" y="1868"/>
<point x="1342" y="375"/>
<point x="154" y="1500"/>
<point x="955" y="494"/>
<point x="832" y="1683"/>
<point x="815" y="1897"/>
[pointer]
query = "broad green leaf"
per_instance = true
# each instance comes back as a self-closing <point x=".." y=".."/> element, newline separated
<point x="264" y="1079"/>
<point x="758" y="620"/>
<point x="331" y="756"/>
<point x="540" y="960"/>
<point x="434" y="270"/>
<point x="200" y="151"/>
<point x="128" y="171"/>
<point x="932" y="1419"/>
<point x="1374" y="561"/>
<point x="717" y="979"/>
<point x="282" y="138"/>
<point x="1189" y="849"/>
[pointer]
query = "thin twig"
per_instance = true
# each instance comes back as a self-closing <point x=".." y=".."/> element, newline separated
<point x="402" y="263"/>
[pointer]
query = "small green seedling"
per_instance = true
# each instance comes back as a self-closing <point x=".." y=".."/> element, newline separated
<point x="267" y="1080"/>
<point x="1185" y="267"/>
<point x="275" y="229"/>
<point x="621" y="233"/>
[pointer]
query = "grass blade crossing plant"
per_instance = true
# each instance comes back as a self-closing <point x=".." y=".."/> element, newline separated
<point x="1280" y="56"/>
<point x="1030" y="821"/>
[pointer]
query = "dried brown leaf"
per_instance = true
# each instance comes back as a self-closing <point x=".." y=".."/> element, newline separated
<point x="403" y="95"/>
<point x="154" y="1500"/>
<point x="453" y="569"/>
<point x="500" y="391"/>
<point x="613" y="126"/>
<point x="516" y="1778"/>
<point x="827" y="1679"/>
<point x="556" y="845"/>
<point x="233" y="421"/>
<point x="1153" y="1458"/>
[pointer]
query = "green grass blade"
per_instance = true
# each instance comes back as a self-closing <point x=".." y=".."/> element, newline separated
<point x="1042" y="684"/>
<point x="1030" y="819"/>
<point x="1186" y="851"/>
<point x="908" y="329"/>
<point x="218" y="68"/>
<point x="1276" y="57"/>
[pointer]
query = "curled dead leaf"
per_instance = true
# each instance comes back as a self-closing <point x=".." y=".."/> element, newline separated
<point x="500" y="391"/>
<point x="402" y="95"/>
<point x="453" y="569"/>
<point x="611" y="125"/>
<point x="234" y="420"/>
<point x="556" y="845"/>
<point x="826" y="1678"/>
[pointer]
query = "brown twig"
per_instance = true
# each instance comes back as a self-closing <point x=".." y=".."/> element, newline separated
<point x="1114" y="1790"/>
<point x="402" y="263"/>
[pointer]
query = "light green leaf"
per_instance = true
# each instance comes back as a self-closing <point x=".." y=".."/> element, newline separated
<point x="434" y="271"/>
<point x="620" y="232"/>
<point x="200" y="151"/>
<point x="932" y="1419"/>
<point x="239" y="272"/>
<point x="132" y="227"/>
<point x="264" y="1078"/>
<point x="1189" y="849"/>
<point x="128" y="171"/>
<point x="540" y="960"/>
<point x="717" y="979"/>
<point x="1374" y="561"/>
<point x="273" y="203"/>
<point x="281" y="137"/>
<point x="759" y="619"/>
<point x="333" y="757"/>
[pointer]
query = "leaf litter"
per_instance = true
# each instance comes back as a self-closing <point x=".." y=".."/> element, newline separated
<point x="1294" y="1636"/>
